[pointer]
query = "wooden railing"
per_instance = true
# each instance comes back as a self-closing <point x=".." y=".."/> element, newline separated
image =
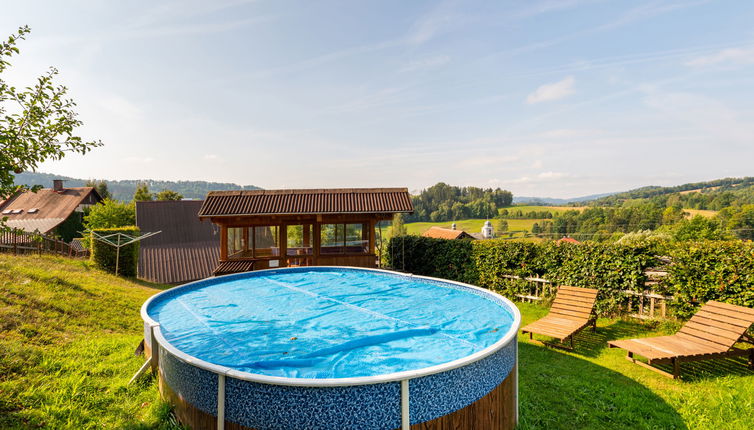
<point x="19" y="242"/>
<point x="645" y="304"/>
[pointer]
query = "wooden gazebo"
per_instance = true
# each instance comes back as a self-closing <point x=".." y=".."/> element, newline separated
<point x="263" y="229"/>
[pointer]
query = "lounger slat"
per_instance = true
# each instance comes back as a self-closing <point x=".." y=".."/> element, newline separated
<point x="579" y="312"/>
<point x="748" y="312"/>
<point x="716" y="324"/>
<point x="575" y="304"/>
<point x="705" y="335"/>
<point x="712" y="330"/>
<point x="574" y="315"/>
<point x="730" y="314"/>
<point x="578" y="289"/>
<point x="716" y="347"/>
<point x="583" y="295"/>
<point x="722" y="318"/>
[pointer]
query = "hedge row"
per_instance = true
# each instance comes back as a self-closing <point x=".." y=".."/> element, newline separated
<point x="104" y="255"/>
<point x="702" y="271"/>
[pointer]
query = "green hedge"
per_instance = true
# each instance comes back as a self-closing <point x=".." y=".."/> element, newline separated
<point x="702" y="271"/>
<point x="104" y="255"/>
<point x="711" y="270"/>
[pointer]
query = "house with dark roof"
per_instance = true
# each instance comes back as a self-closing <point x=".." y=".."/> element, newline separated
<point x="261" y="229"/>
<point x="56" y="211"/>
<point x="447" y="233"/>
<point x="187" y="248"/>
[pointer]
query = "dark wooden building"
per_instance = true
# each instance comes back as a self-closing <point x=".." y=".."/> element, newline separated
<point x="187" y="248"/>
<point x="263" y="229"/>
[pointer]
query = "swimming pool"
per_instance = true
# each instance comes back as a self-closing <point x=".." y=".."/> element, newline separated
<point x="333" y="347"/>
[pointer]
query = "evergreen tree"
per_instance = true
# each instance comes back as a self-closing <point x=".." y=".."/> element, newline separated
<point x="142" y="193"/>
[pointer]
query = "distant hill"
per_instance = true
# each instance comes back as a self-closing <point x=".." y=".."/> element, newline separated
<point x="714" y="194"/>
<point x="548" y="201"/>
<point x="124" y="190"/>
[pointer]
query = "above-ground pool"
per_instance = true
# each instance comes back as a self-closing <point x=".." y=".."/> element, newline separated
<point x="334" y="347"/>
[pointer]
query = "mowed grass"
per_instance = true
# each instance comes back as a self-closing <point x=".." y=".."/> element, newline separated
<point x="597" y="388"/>
<point x="67" y="335"/>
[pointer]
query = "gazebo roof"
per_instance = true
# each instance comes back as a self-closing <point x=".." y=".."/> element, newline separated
<point x="306" y="202"/>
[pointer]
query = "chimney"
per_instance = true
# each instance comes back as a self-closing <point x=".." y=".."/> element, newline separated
<point x="57" y="185"/>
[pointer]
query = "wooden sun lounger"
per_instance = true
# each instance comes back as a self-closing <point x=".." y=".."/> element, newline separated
<point x="570" y="313"/>
<point x="710" y="333"/>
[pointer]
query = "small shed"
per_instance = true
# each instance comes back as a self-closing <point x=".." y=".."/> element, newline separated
<point x="262" y="229"/>
<point x="447" y="233"/>
<point x="187" y="248"/>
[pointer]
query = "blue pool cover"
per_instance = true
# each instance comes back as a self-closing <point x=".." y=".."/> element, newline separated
<point x="329" y="323"/>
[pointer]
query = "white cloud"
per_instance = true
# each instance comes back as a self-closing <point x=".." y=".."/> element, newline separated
<point x="488" y="160"/>
<point x="212" y="157"/>
<point x="554" y="91"/>
<point x="569" y="133"/>
<point x="537" y="164"/>
<point x="729" y="56"/>
<point x="543" y="177"/>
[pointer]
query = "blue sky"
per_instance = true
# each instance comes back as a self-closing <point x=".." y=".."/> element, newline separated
<point x="547" y="98"/>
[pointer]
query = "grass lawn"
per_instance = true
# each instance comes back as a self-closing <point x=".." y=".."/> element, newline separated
<point x="67" y="335"/>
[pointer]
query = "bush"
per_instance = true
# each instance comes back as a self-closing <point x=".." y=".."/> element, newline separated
<point x="440" y="258"/>
<point x="701" y="271"/>
<point x="104" y="255"/>
<point x="711" y="270"/>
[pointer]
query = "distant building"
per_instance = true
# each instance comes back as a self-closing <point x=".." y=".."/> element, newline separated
<point x="447" y="233"/>
<point x="187" y="248"/>
<point x="487" y="231"/>
<point x="54" y="211"/>
<point x="568" y="240"/>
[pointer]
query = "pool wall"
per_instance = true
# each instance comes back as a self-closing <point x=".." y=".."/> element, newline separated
<point x="476" y="392"/>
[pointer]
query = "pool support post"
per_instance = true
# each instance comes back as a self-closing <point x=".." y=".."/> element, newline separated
<point x="405" y="412"/>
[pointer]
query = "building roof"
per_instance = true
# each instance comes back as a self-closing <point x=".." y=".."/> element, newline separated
<point x="446" y="233"/>
<point x="307" y="202"/>
<point x="45" y="209"/>
<point x="187" y="249"/>
<point x="568" y="240"/>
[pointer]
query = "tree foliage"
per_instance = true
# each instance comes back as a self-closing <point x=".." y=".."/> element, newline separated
<point x="101" y="187"/>
<point x="110" y="214"/>
<point x="168" y="195"/>
<point x="443" y="202"/>
<point x="142" y="193"/>
<point x="37" y="122"/>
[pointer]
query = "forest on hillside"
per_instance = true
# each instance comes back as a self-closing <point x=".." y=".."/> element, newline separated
<point x="443" y="202"/>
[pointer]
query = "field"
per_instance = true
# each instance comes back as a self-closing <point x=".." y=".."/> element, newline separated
<point x="705" y="213"/>
<point x="68" y="332"/>
<point x="475" y="225"/>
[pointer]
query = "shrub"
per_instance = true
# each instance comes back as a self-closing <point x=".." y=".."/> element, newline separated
<point x="104" y="256"/>
<point x="711" y="270"/>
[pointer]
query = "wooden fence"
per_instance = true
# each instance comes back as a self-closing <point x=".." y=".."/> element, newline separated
<point x="19" y="242"/>
<point x="645" y="304"/>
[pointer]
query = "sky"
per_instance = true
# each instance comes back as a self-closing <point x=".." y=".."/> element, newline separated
<point x="544" y="98"/>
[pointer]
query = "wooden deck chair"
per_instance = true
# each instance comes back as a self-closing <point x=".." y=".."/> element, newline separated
<point x="710" y="333"/>
<point x="570" y="313"/>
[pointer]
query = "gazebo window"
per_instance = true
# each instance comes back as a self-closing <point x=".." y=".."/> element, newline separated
<point x="344" y="238"/>
<point x="265" y="241"/>
<point x="300" y="239"/>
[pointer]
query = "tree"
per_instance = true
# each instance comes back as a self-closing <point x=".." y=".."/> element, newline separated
<point x="37" y="123"/>
<point x="169" y="195"/>
<point x="101" y="187"/>
<point x="699" y="228"/>
<point x="110" y="214"/>
<point x="142" y="193"/>
<point x="398" y="228"/>
<point x="501" y="226"/>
